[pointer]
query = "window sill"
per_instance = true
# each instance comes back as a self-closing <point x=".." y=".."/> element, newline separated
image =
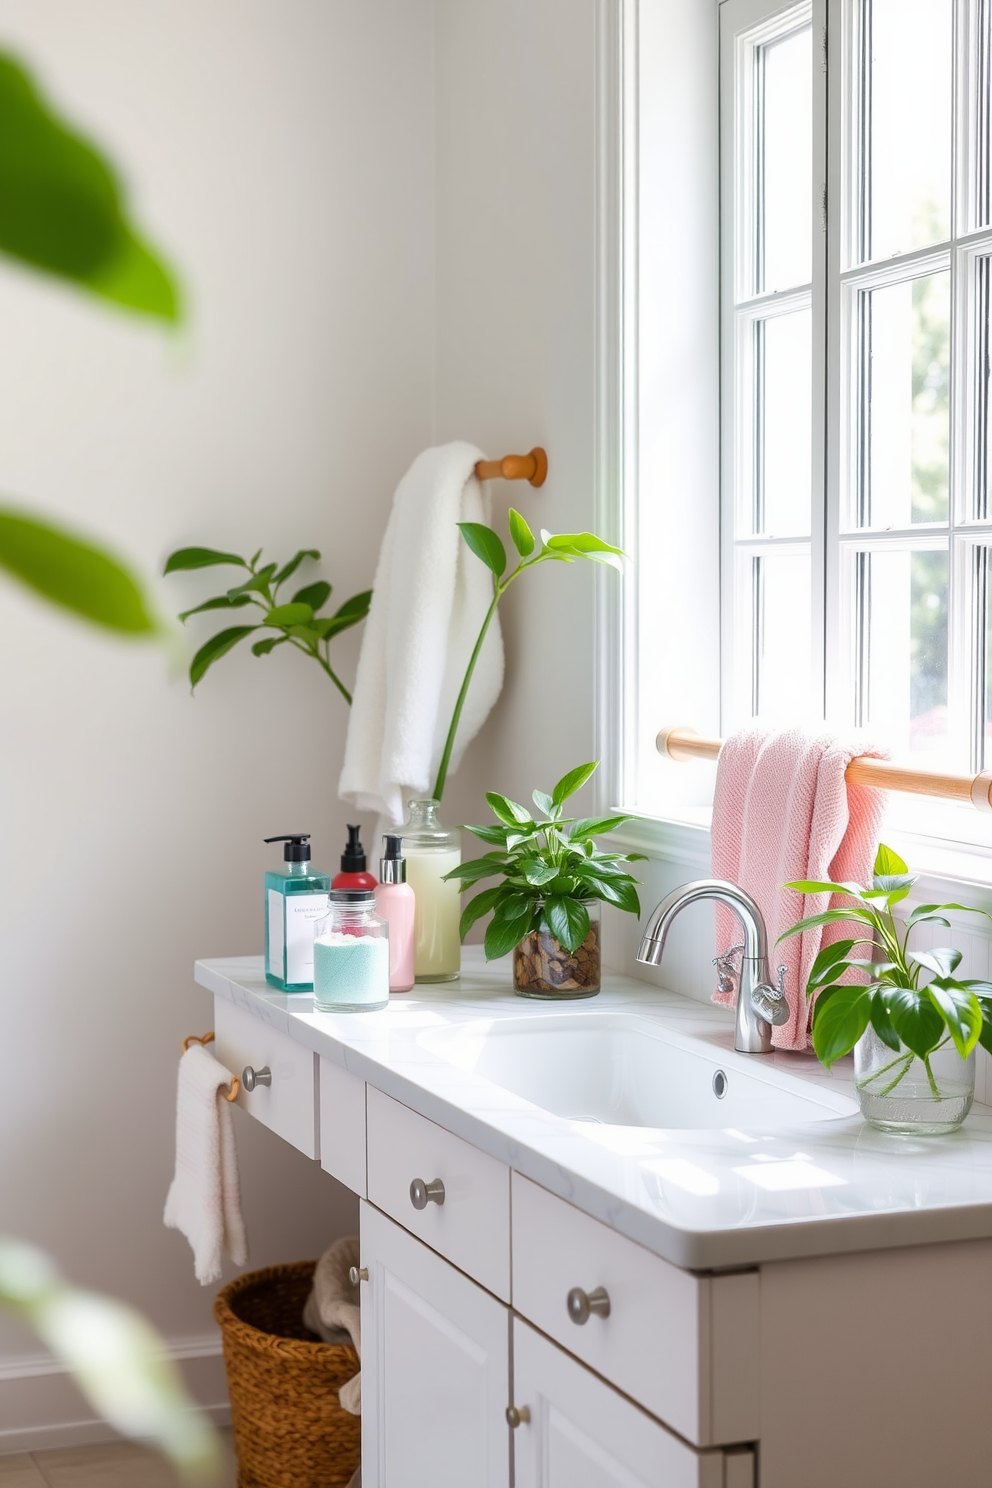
<point x="947" y="870"/>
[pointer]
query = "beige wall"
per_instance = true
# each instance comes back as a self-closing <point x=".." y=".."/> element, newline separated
<point x="284" y="154"/>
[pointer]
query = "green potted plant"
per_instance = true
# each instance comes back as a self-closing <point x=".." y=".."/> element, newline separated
<point x="552" y="881"/>
<point x="913" y="1025"/>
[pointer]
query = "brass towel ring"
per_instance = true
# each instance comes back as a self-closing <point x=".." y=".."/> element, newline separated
<point x="230" y="1094"/>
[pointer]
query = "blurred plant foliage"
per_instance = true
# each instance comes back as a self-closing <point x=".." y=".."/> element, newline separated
<point x="64" y="213"/>
<point x="118" y="1360"/>
<point x="297" y="623"/>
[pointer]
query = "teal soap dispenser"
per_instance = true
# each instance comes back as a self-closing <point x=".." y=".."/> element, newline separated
<point x="294" y="900"/>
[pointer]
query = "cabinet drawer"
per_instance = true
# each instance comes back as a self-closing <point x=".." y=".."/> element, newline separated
<point x="472" y="1226"/>
<point x="581" y="1431"/>
<point x="342" y="1126"/>
<point x="683" y="1346"/>
<point x="288" y="1106"/>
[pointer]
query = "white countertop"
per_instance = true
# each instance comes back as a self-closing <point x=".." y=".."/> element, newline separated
<point x="847" y="1186"/>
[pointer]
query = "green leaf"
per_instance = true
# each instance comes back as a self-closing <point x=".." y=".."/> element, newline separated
<point x="523" y="538"/>
<point x="568" y="921"/>
<point x="478" y="906"/>
<point x="592" y="826"/>
<point x="486" y="545"/>
<point x="882" y="1024"/>
<point x="885" y="882"/>
<point x="495" y="835"/>
<point x="543" y="802"/>
<point x="573" y="781"/>
<point x="222" y="602"/>
<point x="289" y="614"/>
<point x="914" y="1018"/>
<point x="885" y="897"/>
<point x="478" y="868"/>
<point x="215" y="648"/>
<point x="887" y="861"/>
<point x="73" y="572"/>
<point x="508" y="811"/>
<point x="624" y="896"/>
<point x="839" y="1021"/>
<point x="942" y="961"/>
<point x="827" y="963"/>
<point x="262" y="648"/>
<point x="288" y="569"/>
<point x="502" y="935"/>
<point x="315" y="595"/>
<point x="822" y="886"/>
<point x="64" y="209"/>
<point x="305" y="633"/>
<point x="184" y="558"/>
<point x="960" y="1010"/>
<point x="257" y="584"/>
<point x="354" y="609"/>
<point x="584" y="545"/>
<point x="536" y="871"/>
<point x="828" y="917"/>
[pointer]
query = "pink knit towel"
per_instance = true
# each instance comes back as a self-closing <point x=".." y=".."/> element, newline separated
<point x="783" y="811"/>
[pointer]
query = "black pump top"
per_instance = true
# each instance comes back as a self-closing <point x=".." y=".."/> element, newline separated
<point x="297" y="849"/>
<point x="353" y="857"/>
<point x="393" y="844"/>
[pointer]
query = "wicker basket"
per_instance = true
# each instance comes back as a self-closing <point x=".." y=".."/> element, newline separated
<point x="289" y="1429"/>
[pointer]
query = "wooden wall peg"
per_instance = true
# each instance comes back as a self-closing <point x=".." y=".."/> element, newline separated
<point x="532" y="467"/>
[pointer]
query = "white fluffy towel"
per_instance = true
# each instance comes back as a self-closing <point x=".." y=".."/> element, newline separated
<point x="204" y="1201"/>
<point x="430" y="596"/>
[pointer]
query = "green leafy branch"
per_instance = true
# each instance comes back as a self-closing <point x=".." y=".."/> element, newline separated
<point x="547" y="868"/>
<point x="297" y="623"/>
<point x="487" y="545"/>
<point x="887" y="993"/>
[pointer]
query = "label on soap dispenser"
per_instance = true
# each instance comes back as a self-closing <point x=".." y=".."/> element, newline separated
<point x="302" y="910"/>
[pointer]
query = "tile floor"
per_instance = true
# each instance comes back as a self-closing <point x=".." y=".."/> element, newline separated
<point x="111" y="1465"/>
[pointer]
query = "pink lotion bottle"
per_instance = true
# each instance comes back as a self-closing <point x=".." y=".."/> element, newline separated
<point x="394" y="903"/>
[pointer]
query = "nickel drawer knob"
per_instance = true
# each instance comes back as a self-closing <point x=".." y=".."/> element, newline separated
<point x="515" y="1417"/>
<point x="357" y="1274"/>
<point x="582" y="1305"/>
<point x="422" y="1194"/>
<point x="252" y="1077"/>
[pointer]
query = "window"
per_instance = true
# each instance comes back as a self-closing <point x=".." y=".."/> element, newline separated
<point x="855" y="381"/>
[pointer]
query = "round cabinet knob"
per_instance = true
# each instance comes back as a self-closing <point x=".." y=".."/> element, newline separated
<point x="252" y="1077"/>
<point x="582" y="1305"/>
<point x="517" y="1417"/>
<point x="422" y="1194"/>
<point x="357" y="1274"/>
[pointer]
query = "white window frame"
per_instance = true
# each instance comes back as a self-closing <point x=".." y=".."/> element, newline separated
<point x="627" y="384"/>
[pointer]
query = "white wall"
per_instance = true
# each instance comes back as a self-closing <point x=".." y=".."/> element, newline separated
<point x="515" y="346"/>
<point x="283" y="153"/>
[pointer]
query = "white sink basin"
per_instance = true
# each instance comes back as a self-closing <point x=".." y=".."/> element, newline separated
<point x="622" y="1069"/>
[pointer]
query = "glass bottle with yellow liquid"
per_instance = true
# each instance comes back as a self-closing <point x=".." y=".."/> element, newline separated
<point x="431" y="851"/>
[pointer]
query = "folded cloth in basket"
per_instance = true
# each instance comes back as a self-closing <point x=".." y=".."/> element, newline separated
<point x="204" y="1200"/>
<point x="333" y="1311"/>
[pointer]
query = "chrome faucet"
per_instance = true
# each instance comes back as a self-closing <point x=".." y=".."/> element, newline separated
<point x="759" y="1004"/>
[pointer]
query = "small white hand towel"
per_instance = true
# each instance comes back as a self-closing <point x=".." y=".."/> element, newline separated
<point x="334" y="1313"/>
<point x="204" y="1201"/>
<point x="429" y="599"/>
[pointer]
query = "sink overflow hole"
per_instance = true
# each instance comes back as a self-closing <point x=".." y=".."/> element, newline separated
<point x="719" y="1084"/>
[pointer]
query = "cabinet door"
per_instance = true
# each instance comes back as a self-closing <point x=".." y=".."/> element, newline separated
<point x="582" y="1434"/>
<point x="435" y="1369"/>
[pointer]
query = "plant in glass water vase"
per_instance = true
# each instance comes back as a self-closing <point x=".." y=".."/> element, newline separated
<point x="913" y="1044"/>
<point x="546" y="909"/>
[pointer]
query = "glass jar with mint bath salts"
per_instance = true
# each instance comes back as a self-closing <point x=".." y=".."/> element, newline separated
<point x="351" y="955"/>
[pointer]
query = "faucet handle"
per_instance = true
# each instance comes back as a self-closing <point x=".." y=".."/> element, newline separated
<point x="726" y="972"/>
<point x="770" y="1002"/>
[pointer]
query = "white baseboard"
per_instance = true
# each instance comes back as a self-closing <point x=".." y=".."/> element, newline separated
<point x="41" y="1407"/>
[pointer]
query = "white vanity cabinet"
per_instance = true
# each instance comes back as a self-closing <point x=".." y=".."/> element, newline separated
<point x="435" y="1368"/>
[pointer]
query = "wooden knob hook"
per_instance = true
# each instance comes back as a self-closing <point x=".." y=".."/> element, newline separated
<point x="532" y="467"/>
